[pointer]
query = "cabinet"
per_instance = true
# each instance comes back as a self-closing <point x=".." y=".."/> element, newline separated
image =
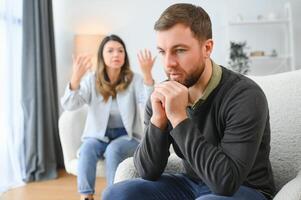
<point x="270" y="36"/>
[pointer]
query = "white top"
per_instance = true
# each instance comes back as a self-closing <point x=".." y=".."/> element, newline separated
<point x="98" y="110"/>
<point x="115" y="120"/>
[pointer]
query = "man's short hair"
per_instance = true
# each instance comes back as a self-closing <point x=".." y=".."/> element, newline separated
<point x="194" y="17"/>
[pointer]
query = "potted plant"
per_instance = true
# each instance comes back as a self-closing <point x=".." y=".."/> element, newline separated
<point x="239" y="61"/>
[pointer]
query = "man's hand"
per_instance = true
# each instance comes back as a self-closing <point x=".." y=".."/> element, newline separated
<point x="173" y="98"/>
<point x="158" y="118"/>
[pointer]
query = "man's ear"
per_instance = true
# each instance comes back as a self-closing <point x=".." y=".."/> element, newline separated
<point x="207" y="47"/>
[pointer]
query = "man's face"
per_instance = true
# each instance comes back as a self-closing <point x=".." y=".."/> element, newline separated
<point x="182" y="54"/>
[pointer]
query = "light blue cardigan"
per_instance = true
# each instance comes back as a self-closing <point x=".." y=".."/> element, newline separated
<point x="98" y="110"/>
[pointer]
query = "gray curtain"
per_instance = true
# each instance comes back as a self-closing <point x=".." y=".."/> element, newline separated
<point x="43" y="153"/>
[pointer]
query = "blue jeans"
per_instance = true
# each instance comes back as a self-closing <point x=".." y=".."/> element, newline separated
<point x="114" y="152"/>
<point x="172" y="187"/>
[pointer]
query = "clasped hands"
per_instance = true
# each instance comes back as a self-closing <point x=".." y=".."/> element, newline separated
<point x="169" y="101"/>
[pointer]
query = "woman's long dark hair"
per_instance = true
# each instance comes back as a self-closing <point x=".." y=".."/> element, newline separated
<point x="103" y="84"/>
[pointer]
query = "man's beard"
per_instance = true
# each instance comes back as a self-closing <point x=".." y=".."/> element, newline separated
<point x="192" y="78"/>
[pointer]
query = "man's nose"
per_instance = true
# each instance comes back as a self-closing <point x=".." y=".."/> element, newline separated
<point x="170" y="61"/>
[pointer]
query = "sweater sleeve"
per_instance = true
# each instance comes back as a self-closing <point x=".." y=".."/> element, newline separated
<point x="74" y="99"/>
<point x="151" y="156"/>
<point x="224" y="167"/>
<point x="142" y="94"/>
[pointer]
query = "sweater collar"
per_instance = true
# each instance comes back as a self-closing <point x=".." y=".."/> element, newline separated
<point x="212" y="84"/>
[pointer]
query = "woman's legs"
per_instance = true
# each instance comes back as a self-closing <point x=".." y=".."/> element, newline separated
<point x="90" y="152"/>
<point x="93" y="149"/>
<point x="118" y="150"/>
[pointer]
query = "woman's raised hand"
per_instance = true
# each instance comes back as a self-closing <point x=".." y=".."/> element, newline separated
<point x="146" y="64"/>
<point x="81" y="64"/>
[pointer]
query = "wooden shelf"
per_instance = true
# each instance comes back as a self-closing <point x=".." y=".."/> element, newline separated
<point x="269" y="57"/>
<point x="284" y="44"/>
<point x="258" y="22"/>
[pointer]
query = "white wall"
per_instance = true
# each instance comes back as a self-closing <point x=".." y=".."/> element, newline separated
<point x="133" y="21"/>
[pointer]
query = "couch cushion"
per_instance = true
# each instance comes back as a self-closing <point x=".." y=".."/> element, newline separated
<point x="283" y="92"/>
<point x="291" y="190"/>
<point x="126" y="169"/>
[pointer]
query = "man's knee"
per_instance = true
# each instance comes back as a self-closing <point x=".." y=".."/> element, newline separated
<point x="107" y="193"/>
<point x="120" y="191"/>
<point x="211" y="197"/>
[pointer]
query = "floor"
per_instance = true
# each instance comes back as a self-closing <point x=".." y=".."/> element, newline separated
<point x="63" y="188"/>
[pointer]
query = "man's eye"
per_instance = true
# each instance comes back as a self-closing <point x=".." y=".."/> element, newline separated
<point x="161" y="52"/>
<point x="180" y="50"/>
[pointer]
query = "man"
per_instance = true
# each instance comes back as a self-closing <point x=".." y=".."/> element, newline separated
<point x="216" y="120"/>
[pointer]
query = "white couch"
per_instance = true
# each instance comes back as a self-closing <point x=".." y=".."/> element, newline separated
<point x="283" y="92"/>
<point x="71" y="126"/>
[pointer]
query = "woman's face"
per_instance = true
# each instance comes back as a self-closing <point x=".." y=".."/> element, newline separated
<point x="113" y="55"/>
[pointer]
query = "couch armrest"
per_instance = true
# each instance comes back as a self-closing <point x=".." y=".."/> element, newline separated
<point x="71" y="126"/>
<point x="126" y="169"/>
<point x="291" y="190"/>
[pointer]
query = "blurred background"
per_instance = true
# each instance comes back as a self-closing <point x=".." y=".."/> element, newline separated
<point x="38" y="39"/>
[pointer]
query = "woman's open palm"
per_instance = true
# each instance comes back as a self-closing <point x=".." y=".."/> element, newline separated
<point x="146" y="61"/>
<point x="81" y="64"/>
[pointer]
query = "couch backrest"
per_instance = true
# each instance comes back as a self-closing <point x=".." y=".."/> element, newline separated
<point x="283" y="92"/>
<point x="71" y="127"/>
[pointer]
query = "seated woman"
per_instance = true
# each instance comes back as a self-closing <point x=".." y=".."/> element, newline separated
<point x="112" y="93"/>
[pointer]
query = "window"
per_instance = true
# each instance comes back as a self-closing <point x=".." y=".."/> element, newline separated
<point x="11" y="137"/>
